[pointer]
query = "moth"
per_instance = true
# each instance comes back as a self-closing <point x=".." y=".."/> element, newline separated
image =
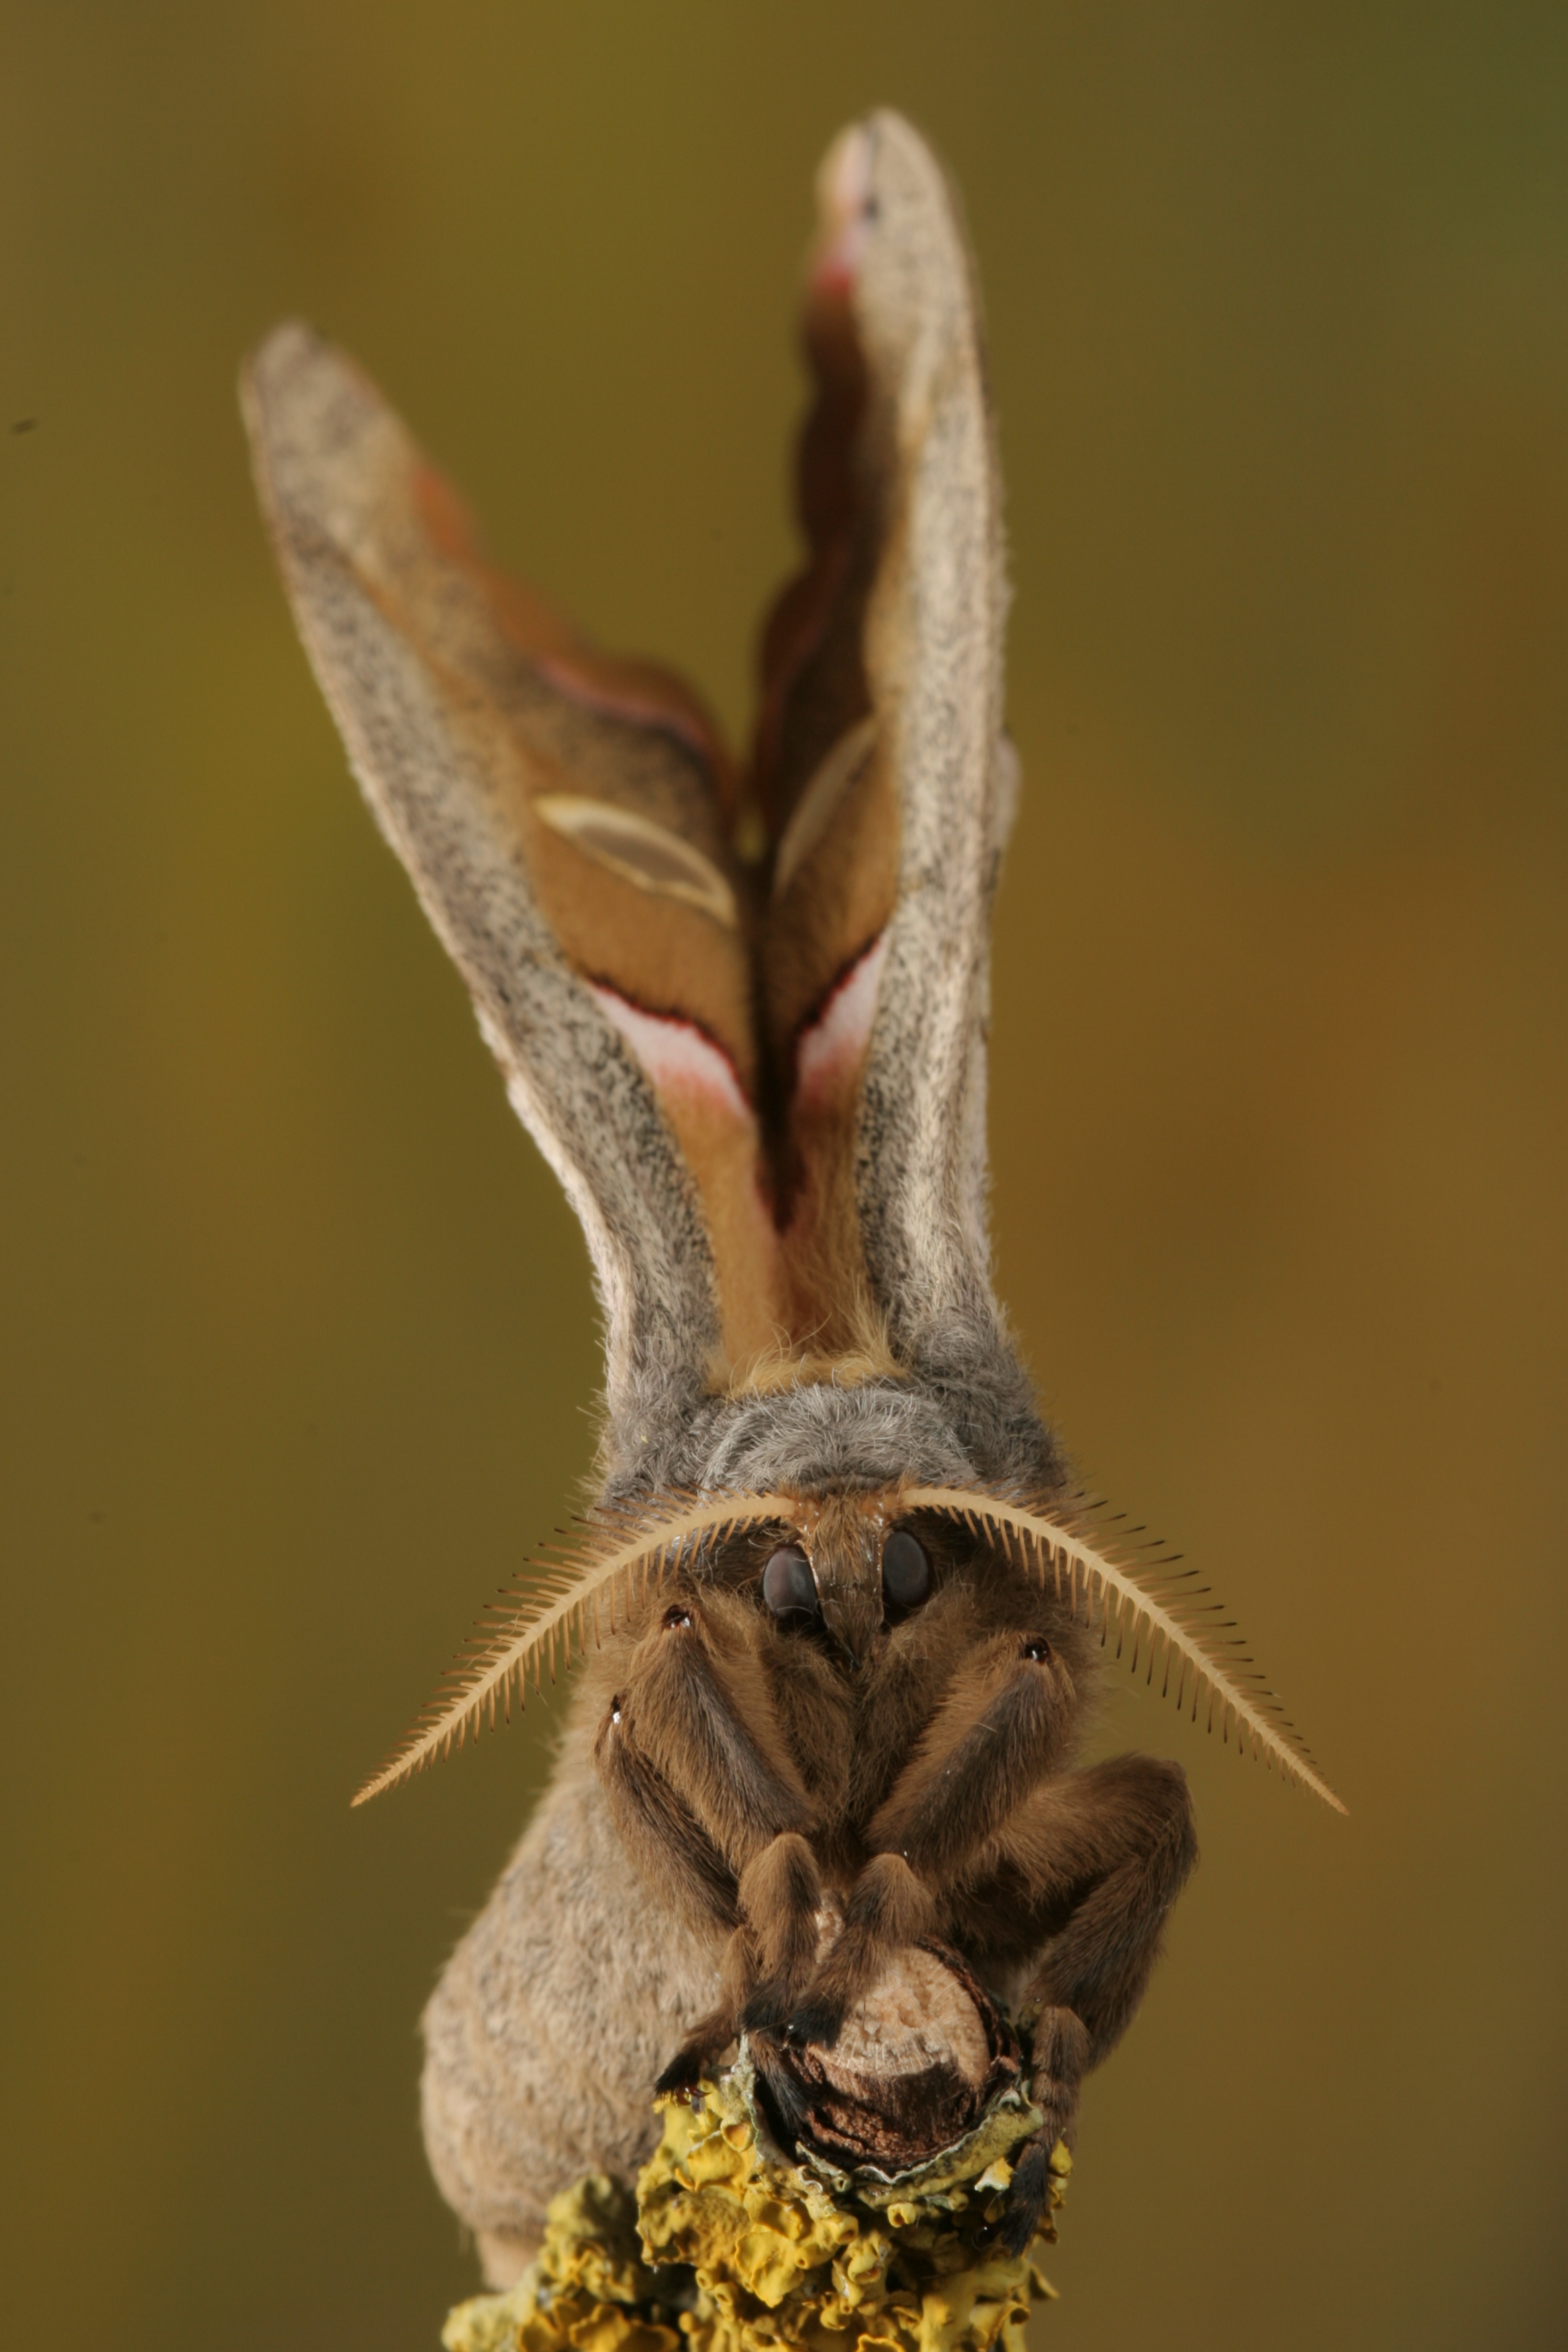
<point x="837" y="1607"/>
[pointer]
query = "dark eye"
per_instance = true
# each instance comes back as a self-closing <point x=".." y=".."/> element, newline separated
<point x="906" y="1570"/>
<point x="788" y="1583"/>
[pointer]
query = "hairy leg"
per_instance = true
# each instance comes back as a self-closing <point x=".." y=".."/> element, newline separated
<point x="781" y="1895"/>
<point x="1000" y="1726"/>
<point x="887" y="1906"/>
<point x="711" y="1804"/>
<point x="670" y="1849"/>
<point x="1118" y="1842"/>
<point x="1102" y="1855"/>
<point x="694" y="1702"/>
<point x="914" y="1673"/>
<point x="768" y="1960"/>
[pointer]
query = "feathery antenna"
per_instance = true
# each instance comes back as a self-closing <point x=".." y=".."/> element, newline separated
<point x="1155" y="1612"/>
<point x="619" y="1551"/>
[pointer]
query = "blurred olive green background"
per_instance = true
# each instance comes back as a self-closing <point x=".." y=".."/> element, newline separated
<point x="298" y="1345"/>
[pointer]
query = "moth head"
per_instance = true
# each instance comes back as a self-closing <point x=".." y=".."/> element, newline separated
<point x="854" y="1566"/>
<point x="850" y="1572"/>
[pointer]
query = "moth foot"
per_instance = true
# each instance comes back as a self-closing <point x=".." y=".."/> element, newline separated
<point x="1028" y="2197"/>
<point x="701" y="2046"/>
<point x="818" y="2019"/>
<point x="681" y="2075"/>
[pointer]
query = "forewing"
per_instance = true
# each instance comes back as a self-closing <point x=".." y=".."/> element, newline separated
<point x="566" y="819"/>
<point x="879" y="768"/>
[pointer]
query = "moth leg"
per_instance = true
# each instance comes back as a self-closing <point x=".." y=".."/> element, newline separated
<point x="692" y="1743"/>
<point x="1102" y="1855"/>
<point x="1059" y="2058"/>
<point x="713" y="2034"/>
<point x="781" y="1895"/>
<point x="1002" y="1725"/>
<point x="695" y="1700"/>
<point x="1119" y="1843"/>
<point x="671" y="1851"/>
<point x="667" y="1845"/>
<point x="886" y="1906"/>
<point x="769" y="1956"/>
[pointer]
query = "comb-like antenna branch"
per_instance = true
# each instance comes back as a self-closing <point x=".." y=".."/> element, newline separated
<point x="1180" y="1619"/>
<point x="559" y="1607"/>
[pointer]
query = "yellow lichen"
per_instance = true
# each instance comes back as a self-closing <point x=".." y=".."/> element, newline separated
<point x="733" y="2248"/>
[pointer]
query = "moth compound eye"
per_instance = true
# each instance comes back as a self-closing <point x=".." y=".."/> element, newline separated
<point x="906" y="1570"/>
<point x="788" y="1583"/>
<point x="1036" y="1648"/>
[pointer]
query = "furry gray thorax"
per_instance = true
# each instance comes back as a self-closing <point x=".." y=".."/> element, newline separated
<point x="821" y="1437"/>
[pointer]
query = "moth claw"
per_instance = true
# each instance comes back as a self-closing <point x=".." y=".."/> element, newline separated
<point x="1027" y="2198"/>
<point x="683" y="2074"/>
<point x="763" y="2013"/>
<point x="694" y="2057"/>
<point x="791" y="2108"/>
<point x="819" y="2021"/>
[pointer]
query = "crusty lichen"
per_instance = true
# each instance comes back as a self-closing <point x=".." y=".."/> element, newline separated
<point x="735" y="2248"/>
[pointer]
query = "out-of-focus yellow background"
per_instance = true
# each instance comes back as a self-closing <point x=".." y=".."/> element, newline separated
<point x="299" y="1349"/>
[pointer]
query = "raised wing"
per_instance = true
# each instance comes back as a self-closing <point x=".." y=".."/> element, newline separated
<point x="566" y="819"/>
<point x="881" y="774"/>
<point x="759" y="1075"/>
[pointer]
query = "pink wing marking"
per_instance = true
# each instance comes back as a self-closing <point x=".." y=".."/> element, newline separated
<point x="843" y="186"/>
<point x="678" y="1056"/>
<point x="832" y="1047"/>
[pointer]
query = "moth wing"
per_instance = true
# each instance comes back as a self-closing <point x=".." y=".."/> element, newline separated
<point x="884" y="779"/>
<point x="566" y="820"/>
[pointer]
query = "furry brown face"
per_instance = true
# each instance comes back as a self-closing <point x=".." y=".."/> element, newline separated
<point x="857" y="1588"/>
<point x="868" y="1592"/>
<point x="825" y="1753"/>
<point x="916" y="1725"/>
